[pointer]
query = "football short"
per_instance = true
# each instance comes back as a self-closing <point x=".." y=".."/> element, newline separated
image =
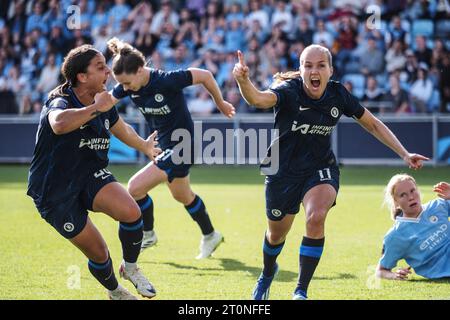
<point x="69" y="216"/>
<point x="174" y="167"/>
<point x="283" y="196"/>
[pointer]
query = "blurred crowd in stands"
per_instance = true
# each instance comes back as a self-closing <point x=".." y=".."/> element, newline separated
<point x="391" y="54"/>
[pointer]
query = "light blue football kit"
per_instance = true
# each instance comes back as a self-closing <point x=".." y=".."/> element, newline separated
<point x="423" y="242"/>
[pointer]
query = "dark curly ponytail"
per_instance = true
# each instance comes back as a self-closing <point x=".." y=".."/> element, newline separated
<point x="77" y="61"/>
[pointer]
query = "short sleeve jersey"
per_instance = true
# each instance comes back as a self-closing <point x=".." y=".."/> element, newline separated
<point x="305" y="125"/>
<point x="61" y="163"/>
<point x="162" y="103"/>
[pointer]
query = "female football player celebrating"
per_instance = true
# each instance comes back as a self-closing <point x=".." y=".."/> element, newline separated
<point x="421" y="233"/>
<point x="68" y="174"/>
<point x="307" y="107"/>
<point x="159" y="96"/>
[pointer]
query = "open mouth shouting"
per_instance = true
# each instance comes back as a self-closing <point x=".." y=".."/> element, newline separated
<point x="315" y="82"/>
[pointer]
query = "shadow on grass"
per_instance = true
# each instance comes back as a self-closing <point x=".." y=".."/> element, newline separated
<point x="438" y="281"/>
<point x="236" y="265"/>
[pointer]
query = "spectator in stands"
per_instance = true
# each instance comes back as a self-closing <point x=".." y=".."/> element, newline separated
<point x="395" y="57"/>
<point x="422" y="52"/>
<point x="373" y="95"/>
<point x="100" y="18"/>
<point x="117" y="13"/>
<point x="397" y="97"/>
<point x="100" y="38"/>
<point x="36" y="20"/>
<point x="146" y="41"/>
<point x="179" y="59"/>
<point x="372" y="59"/>
<point x="234" y="97"/>
<point x="395" y="31"/>
<point x="54" y="14"/>
<point x="235" y="13"/>
<point x="234" y="36"/>
<point x="322" y="35"/>
<point x="141" y="14"/>
<point x="411" y="65"/>
<point x="48" y="78"/>
<point x="283" y="16"/>
<point x="421" y="90"/>
<point x="17" y="17"/>
<point x="8" y="103"/>
<point x="213" y="35"/>
<point x="303" y="32"/>
<point x="213" y="10"/>
<point x="165" y="15"/>
<point x="197" y="6"/>
<point x="444" y="84"/>
<point x="254" y="30"/>
<point x="207" y="61"/>
<point x="202" y="105"/>
<point x="16" y="83"/>
<point x="257" y="13"/>
<point x="188" y="31"/>
<point x="349" y="86"/>
<point x="125" y="32"/>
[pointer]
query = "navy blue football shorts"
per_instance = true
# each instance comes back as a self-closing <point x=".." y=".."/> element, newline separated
<point x="174" y="168"/>
<point x="69" y="216"/>
<point x="283" y="196"/>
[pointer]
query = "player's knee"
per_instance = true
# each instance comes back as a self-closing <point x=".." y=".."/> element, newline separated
<point x="131" y="213"/>
<point x="316" y="218"/>
<point x="275" y="238"/>
<point x="134" y="188"/>
<point x="184" y="198"/>
<point x="100" y="253"/>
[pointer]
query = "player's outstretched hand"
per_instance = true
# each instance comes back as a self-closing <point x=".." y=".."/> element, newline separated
<point x="402" y="273"/>
<point x="151" y="143"/>
<point x="443" y="190"/>
<point x="104" y="101"/>
<point x="227" y="109"/>
<point x="240" y="70"/>
<point x="415" y="161"/>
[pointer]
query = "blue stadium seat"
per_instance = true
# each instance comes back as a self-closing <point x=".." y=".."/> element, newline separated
<point x="443" y="29"/>
<point x="358" y="81"/>
<point x="423" y="27"/>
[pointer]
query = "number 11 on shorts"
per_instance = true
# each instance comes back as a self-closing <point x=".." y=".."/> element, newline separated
<point x="325" y="174"/>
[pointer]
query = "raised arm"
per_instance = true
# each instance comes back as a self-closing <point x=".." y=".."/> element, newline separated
<point x="126" y="133"/>
<point x="253" y="96"/>
<point x="205" y="77"/>
<point x="65" y="121"/>
<point x="379" y="130"/>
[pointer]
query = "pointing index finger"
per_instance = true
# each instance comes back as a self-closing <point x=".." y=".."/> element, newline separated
<point x="241" y="58"/>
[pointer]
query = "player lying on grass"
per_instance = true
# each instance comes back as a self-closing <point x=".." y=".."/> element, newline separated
<point x="421" y="232"/>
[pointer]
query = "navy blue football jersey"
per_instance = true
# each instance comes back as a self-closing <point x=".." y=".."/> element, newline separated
<point x="61" y="163"/>
<point x="162" y="103"/>
<point x="305" y="125"/>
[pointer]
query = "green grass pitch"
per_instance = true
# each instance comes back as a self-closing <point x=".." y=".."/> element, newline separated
<point x="37" y="263"/>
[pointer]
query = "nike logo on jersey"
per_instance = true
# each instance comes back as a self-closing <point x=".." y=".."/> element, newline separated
<point x="303" y="109"/>
<point x="84" y="126"/>
<point x="135" y="96"/>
